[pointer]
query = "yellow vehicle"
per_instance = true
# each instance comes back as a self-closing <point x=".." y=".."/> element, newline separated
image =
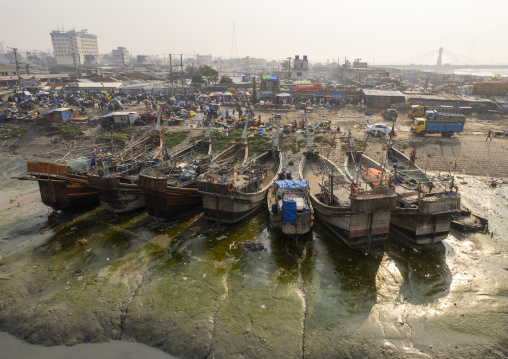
<point x="419" y="110"/>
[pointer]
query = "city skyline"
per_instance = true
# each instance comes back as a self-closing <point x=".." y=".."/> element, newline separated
<point x="378" y="33"/>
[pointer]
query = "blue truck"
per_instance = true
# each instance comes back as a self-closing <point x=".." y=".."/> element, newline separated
<point x="434" y="122"/>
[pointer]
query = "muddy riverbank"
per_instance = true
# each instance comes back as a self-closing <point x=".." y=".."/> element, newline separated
<point x="193" y="290"/>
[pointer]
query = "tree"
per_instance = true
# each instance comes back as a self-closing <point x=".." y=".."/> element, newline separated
<point x="197" y="79"/>
<point x="225" y="80"/>
<point x="190" y="71"/>
<point x="209" y="73"/>
<point x="285" y="65"/>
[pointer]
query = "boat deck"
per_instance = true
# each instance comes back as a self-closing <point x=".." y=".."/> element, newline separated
<point x="316" y="170"/>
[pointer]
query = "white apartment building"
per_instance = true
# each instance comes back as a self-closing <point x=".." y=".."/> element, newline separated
<point x="300" y="68"/>
<point x="74" y="47"/>
<point x="120" y="56"/>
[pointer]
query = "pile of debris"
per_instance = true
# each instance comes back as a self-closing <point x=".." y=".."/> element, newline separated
<point x="253" y="246"/>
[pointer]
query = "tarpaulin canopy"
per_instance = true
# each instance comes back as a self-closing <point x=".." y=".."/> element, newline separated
<point x="66" y="115"/>
<point x="109" y="114"/>
<point x="283" y="94"/>
<point x="319" y="95"/>
<point x="288" y="210"/>
<point x="336" y="95"/>
<point x="292" y="183"/>
<point x="267" y="95"/>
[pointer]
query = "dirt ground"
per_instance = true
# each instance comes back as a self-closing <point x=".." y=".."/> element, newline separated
<point x="192" y="291"/>
<point x="464" y="153"/>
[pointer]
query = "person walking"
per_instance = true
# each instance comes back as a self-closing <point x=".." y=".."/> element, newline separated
<point x="505" y="133"/>
<point x="488" y="135"/>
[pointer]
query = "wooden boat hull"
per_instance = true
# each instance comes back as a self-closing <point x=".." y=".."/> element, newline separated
<point x="60" y="189"/>
<point x="357" y="230"/>
<point x="115" y="196"/>
<point x="229" y="208"/>
<point x="171" y="203"/>
<point x="362" y="222"/>
<point x="120" y="200"/>
<point x="429" y="221"/>
<point x="63" y="195"/>
<point x="224" y="206"/>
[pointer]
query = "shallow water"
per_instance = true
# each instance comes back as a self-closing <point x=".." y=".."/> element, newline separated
<point x="193" y="290"/>
<point x="13" y="347"/>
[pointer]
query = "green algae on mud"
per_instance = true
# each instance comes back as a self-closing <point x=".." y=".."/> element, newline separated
<point x="193" y="290"/>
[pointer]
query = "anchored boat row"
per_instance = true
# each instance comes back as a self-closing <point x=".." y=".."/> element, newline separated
<point x="359" y="202"/>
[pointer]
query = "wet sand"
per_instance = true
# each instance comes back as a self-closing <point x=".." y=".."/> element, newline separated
<point x="192" y="290"/>
<point x="16" y="348"/>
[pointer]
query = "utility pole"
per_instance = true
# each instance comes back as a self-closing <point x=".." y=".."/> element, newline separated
<point x="15" y="49"/>
<point x="181" y="70"/>
<point x="289" y="67"/>
<point x="357" y="61"/>
<point x="171" y="74"/>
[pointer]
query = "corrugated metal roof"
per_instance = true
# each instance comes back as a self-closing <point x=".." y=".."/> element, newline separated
<point x="442" y="97"/>
<point x="385" y="93"/>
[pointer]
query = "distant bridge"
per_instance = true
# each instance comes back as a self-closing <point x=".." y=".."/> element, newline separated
<point x="457" y="61"/>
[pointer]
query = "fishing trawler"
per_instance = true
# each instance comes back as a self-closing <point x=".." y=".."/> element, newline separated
<point x="171" y="191"/>
<point x="289" y="207"/>
<point x="116" y="177"/>
<point x="61" y="186"/>
<point x="373" y="183"/>
<point x="424" y="206"/>
<point x="233" y="189"/>
<point x="358" y="216"/>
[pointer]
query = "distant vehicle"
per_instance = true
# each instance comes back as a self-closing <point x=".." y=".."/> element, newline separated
<point x="379" y="128"/>
<point x="390" y="114"/>
<point x="435" y="122"/>
<point x="419" y="110"/>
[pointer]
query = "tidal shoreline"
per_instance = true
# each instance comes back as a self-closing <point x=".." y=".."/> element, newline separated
<point x="194" y="291"/>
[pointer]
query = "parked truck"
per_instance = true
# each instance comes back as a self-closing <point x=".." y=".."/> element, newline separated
<point x="420" y="110"/>
<point x="435" y="122"/>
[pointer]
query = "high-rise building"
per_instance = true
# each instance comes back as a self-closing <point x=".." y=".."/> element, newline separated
<point x="120" y="56"/>
<point x="74" y="47"/>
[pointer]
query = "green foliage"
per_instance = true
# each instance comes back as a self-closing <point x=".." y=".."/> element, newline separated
<point x="190" y="71"/>
<point x="197" y="79"/>
<point x="220" y="140"/>
<point x="225" y="80"/>
<point x="174" y="138"/>
<point x="291" y="162"/>
<point x="209" y="73"/>
<point x="257" y="144"/>
<point x="116" y="136"/>
<point x="13" y="134"/>
<point x="295" y="148"/>
<point x="67" y="130"/>
<point x="318" y="139"/>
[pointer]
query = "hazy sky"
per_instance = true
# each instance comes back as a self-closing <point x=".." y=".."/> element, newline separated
<point x="379" y="31"/>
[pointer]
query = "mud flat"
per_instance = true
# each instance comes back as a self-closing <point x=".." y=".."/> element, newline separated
<point x="193" y="290"/>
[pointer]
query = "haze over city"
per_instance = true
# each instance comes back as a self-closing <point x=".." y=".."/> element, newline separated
<point x="378" y="32"/>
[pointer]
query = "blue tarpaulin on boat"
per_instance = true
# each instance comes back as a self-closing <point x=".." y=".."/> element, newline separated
<point x="288" y="210"/>
<point x="66" y="115"/>
<point x="292" y="183"/>
<point x="50" y="111"/>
